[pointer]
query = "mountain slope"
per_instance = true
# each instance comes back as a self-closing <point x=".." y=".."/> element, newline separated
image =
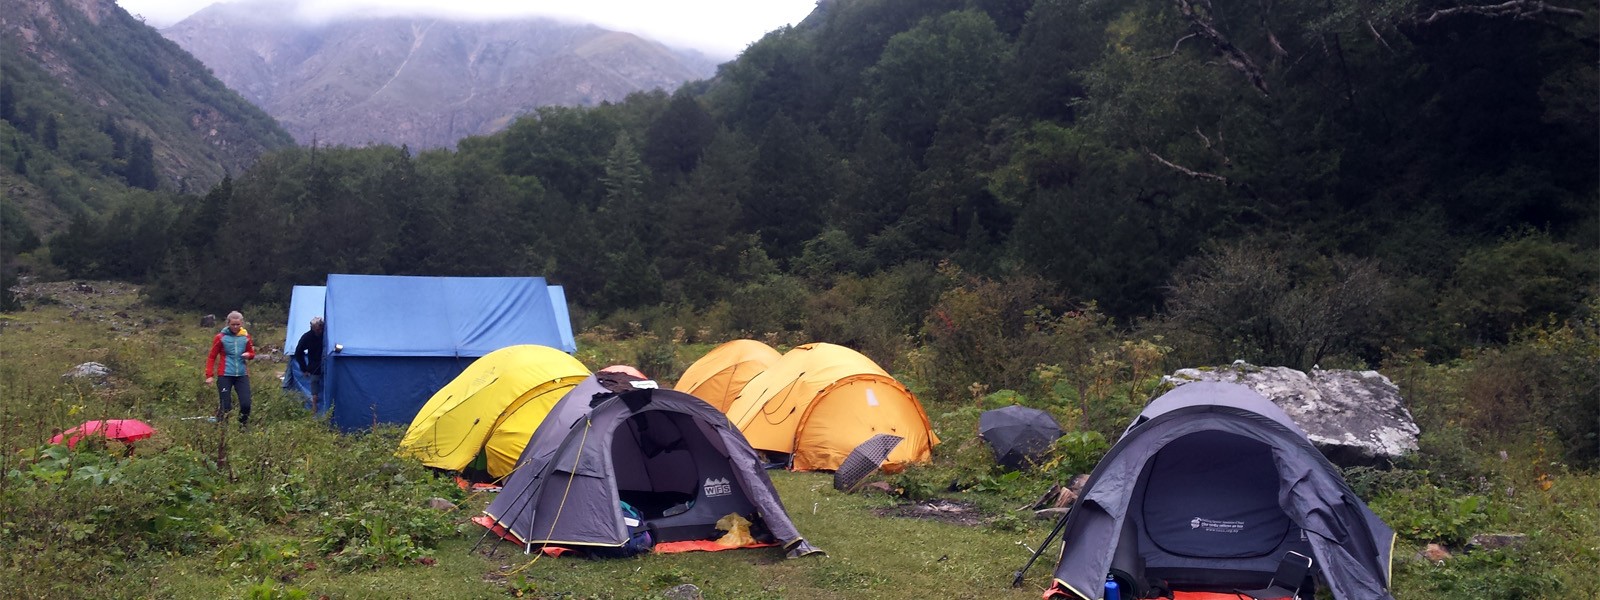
<point x="92" y="99"/>
<point x="420" y="81"/>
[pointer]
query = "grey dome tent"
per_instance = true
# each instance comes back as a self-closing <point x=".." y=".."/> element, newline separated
<point x="1208" y="490"/>
<point x="668" y="454"/>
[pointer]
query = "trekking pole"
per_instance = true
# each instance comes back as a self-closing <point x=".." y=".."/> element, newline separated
<point x="1061" y="524"/>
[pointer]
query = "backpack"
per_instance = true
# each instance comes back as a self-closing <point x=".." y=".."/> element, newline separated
<point x="639" y="540"/>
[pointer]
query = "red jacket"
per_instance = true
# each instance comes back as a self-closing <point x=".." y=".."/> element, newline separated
<point x="233" y="349"/>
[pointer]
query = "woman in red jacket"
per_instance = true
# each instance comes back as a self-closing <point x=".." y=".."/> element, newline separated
<point x="233" y="346"/>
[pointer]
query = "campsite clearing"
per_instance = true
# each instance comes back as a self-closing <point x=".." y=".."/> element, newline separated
<point x="166" y="523"/>
<point x="869" y="556"/>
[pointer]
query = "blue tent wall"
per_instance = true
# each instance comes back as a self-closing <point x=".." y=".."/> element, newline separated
<point x="393" y="341"/>
<point x="558" y="303"/>
<point x="304" y="303"/>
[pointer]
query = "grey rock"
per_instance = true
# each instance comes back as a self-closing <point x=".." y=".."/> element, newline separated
<point x="88" y="370"/>
<point x="687" y="591"/>
<point x="208" y="321"/>
<point x="1353" y="417"/>
<point x="441" y="504"/>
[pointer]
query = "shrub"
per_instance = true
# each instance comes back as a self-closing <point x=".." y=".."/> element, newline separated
<point x="1429" y="513"/>
<point x="993" y="333"/>
<point x="1545" y="381"/>
<point x="381" y="533"/>
<point x="1076" y="452"/>
<point x="1254" y="303"/>
<point x="1501" y="289"/>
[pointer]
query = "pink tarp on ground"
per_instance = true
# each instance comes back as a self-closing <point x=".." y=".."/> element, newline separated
<point x="122" y="430"/>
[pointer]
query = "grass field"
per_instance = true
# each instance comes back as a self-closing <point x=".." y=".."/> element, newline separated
<point x="289" y="509"/>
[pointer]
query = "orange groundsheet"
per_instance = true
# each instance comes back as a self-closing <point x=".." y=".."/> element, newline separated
<point x="662" y="548"/>
<point x="497" y="528"/>
<point x="1176" y="595"/>
<point x="700" y="546"/>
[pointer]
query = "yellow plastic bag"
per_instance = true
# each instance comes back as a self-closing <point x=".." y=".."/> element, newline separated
<point x="738" y="529"/>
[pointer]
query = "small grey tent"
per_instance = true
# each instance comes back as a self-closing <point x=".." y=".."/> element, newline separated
<point x="1208" y="490"/>
<point x="672" y="457"/>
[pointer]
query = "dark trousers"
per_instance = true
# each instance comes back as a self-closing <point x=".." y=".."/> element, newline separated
<point x="231" y="383"/>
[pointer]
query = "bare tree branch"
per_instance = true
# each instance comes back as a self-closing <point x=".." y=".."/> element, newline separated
<point x="1379" y="37"/>
<point x="1515" y="9"/>
<point x="1198" y="14"/>
<point x="1175" y="45"/>
<point x="1272" y="39"/>
<point x="1187" y="171"/>
<point x="1215" y="148"/>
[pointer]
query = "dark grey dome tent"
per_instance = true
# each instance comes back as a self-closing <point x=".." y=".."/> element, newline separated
<point x="673" y="458"/>
<point x="1210" y="489"/>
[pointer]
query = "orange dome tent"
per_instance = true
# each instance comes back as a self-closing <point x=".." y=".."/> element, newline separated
<point x="722" y="373"/>
<point x="820" y="401"/>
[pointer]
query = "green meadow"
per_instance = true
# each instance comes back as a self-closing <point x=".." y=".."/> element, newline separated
<point x="291" y="509"/>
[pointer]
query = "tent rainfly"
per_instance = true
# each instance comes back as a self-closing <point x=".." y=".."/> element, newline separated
<point x="305" y="302"/>
<point x="1209" y="489"/>
<point x="719" y="376"/>
<point x="491" y="408"/>
<point x="393" y="341"/>
<point x="673" y="458"/>
<point x="820" y="401"/>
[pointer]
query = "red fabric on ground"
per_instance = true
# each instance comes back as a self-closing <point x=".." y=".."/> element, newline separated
<point x="700" y="546"/>
<point x="1180" y="595"/>
<point x="497" y="528"/>
<point x="468" y="486"/>
<point x="1058" y="591"/>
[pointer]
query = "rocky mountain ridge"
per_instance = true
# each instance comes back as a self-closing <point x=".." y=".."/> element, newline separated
<point x="421" y="81"/>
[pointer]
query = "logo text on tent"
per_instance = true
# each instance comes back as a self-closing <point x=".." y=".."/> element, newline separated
<point x="1215" y="526"/>
<point x="718" y="487"/>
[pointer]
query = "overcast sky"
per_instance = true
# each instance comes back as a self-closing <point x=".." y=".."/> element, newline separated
<point x="720" y="28"/>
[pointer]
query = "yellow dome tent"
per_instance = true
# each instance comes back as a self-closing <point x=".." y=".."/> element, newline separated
<point x="492" y="407"/>
<point x="820" y="401"/>
<point x="718" y="376"/>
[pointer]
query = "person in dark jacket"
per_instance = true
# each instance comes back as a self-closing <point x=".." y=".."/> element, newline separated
<point x="308" y="354"/>
<point x="226" y="365"/>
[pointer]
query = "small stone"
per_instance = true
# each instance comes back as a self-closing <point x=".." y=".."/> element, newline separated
<point x="441" y="504"/>
<point x="208" y="321"/>
<point x="687" y="591"/>
<point x="1436" y="554"/>
<point x="1496" y="541"/>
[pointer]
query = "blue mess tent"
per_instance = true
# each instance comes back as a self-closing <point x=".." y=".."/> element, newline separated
<point x="304" y="303"/>
<point x="393" y="341"/>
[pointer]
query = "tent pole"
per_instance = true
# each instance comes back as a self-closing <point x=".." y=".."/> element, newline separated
<point x="1061" y="523"/>
<point x="513" y="509"/>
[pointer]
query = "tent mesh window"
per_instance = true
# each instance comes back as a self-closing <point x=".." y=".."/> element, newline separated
<point x="1213" y="494"/>
<point x="677" y="475"/>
